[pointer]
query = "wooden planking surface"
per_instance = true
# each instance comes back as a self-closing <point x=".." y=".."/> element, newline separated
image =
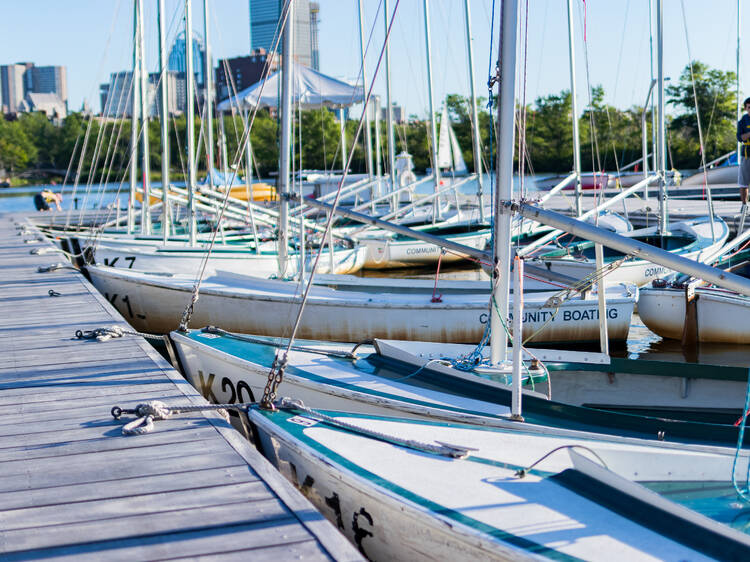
<point x="72" y="487"/>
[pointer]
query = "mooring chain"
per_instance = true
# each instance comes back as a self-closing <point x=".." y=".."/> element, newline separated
<point x="275" y="376"/>
<point x="188" y="312"/>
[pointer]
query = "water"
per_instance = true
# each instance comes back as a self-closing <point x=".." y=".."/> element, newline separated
<point x="641" y="343"/>
<point x="97" y="196"/>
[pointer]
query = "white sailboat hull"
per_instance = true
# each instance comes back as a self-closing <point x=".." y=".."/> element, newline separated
<point x="407" y="253"/>
<point x="721" y="316"/>
<point x="246" y="304"/>
<point x="188" y="260"/>
<point x="397" y="503"/>
<point x="640" y="272"/>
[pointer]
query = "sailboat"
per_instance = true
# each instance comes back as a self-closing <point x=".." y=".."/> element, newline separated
<point x="688" y="309"/>
<point x="400" y="482"/>
<point x="449" y="152"/>
<point x="414" y="490"/>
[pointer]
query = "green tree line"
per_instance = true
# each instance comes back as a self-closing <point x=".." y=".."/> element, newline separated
<point x="610" y="137"/>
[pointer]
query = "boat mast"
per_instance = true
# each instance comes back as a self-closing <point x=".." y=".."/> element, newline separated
<point x="654" y="163"/>
<point x="431" y="98"/>
<point x="145" y="160"/>
<point x="134" y="111"/>
<point x="190" y="111"/>
<point x="164" y="124"/>
<point x="574" y="100"/>
<point x="504" y="180"/>
<point x="389" y="107"/>
<point x="208" y="83"/>
<point x="378" y="150"/>
<point x="662" y="169"/>
<point x="739" y="102"/>
<point x="368" y="132"/>
<point x="286" y="132"/>
<point x="476" y="144"/>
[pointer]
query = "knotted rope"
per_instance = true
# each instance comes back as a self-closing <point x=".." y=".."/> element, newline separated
<point x="106" y="334"/>
<point x="148" y="412"/>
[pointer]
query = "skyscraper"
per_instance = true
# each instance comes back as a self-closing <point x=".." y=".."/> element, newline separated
<point x="50" y="80"/>
<point x="19" y="80"/>
<point x="178" y="63"/>
<point x="264" y="21"/>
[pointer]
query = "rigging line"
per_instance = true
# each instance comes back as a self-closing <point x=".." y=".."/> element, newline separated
<point x="238" y="155"/>
<point x="96" y="233"/>
<point x="595" y="157"/>
<point x="338" y="193"/>
<point x="697" y="111"/>
<point x="95" y="157"/>
<point x="522" y="146"/>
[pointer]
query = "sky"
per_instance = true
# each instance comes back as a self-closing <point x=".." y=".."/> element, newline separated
<point x="92" y="38"/>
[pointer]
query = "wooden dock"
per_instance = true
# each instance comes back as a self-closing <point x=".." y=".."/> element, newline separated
<point x="72" y="486"/>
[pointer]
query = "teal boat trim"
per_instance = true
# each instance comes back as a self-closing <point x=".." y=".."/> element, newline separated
<point x="298" y="432"/>
<point x="537" y="411"/>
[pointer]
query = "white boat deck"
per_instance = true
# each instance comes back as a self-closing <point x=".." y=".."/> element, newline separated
<point x="72" y="486"/>
<point x="644" y="213"/>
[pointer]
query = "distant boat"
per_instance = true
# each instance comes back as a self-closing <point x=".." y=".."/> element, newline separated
<point x="691" y="239"/>
<point x="719" y="315"/>
<point x="449" y="152"/>
<point x="589" y="180"/>
<point x="722" y="171"/>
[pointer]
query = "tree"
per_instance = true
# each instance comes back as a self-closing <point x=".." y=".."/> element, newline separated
<point x="713" y="92"/>
<point x="16" y="149"/>
<point x="549" y="134"/>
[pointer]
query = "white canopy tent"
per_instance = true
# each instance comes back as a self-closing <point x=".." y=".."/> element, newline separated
<point x="310" y="89"/>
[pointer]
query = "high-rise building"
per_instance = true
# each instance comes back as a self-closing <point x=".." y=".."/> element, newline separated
<point x="116" y="95"/>
<point x="50" y="80"/>
<point x="177" y="61"/>
<point x="13" y="86"/>
<point x="243" y="72"/>
<point x="19" y="80"/>
<point x="264" y="23"/>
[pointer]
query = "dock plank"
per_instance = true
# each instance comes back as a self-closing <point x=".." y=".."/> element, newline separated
<point x="72" y="486"/>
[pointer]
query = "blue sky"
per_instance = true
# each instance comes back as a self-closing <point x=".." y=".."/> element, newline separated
<point x="92" y="38"/>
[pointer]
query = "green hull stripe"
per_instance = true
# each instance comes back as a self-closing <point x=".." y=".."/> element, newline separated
<point x="709" y="542"/>
<point x="536" y="410"/>
<point x="297" y="431"/>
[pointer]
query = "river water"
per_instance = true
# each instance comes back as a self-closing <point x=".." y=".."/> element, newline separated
<point x="642" y="343"/>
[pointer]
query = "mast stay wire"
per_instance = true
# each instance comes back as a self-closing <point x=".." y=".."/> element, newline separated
<point x="706" y="185"/>
<point x="91" y="117"/>
<point x="275" y="376"/>
<point x="187" y="313"/>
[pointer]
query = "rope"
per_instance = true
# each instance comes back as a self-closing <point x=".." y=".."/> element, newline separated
<point x="442" y="449"/>
<point x="149" y="412"/>
<point x="54" y="267"/>
<point x="235" y="166"/>
<point x="524" y="471"/>
<point x="744" y="494"/>
<point x="106" y="334"/>
<point x="276" y="374"/>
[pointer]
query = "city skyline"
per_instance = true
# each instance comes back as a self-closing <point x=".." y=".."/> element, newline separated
<point x="616" y="45"/>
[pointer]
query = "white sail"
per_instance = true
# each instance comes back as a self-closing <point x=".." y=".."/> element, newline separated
<point x="449" y="152"/>
<point x="459" y="166"/>
<point x="445" y="159"/>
